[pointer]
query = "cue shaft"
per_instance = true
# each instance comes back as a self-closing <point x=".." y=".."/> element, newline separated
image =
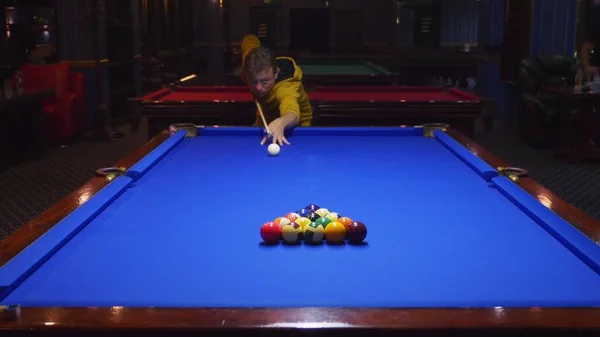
<point x="262" y="115"/>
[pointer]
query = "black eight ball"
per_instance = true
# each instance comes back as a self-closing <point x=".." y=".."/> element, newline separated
<point x="312" y="216"/>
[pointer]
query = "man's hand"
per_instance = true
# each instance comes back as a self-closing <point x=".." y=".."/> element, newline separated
<point x="591" y="71"/>
<point x="277" y="128"/>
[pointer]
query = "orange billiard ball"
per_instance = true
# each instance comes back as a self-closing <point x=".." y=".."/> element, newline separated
<point x="346" y="221"/>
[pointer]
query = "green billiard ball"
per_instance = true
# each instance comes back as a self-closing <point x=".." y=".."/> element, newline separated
<point x="323" y="222"/>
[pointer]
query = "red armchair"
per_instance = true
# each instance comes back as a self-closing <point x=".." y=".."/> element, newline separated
<point x="64" y="114"/>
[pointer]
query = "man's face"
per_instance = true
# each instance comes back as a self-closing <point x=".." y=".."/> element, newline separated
<point x="263" y="81"/>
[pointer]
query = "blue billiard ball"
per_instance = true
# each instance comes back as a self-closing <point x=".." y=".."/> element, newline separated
<point x="303" y="212"/>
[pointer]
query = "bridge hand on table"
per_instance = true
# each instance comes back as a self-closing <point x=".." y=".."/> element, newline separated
<point x="277" y="130"/>
<point x="265" y="138"/>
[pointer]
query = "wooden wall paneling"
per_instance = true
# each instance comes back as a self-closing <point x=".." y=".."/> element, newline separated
<point x="74" y="31"/>
<point x="347" y="35"/>
<point x="176" y="22"/>
<point x="427" y="25"/>
<point x="404" y="26"/>
<point x="213" y="37"/>
<point x="136" y="10"/>
<point x="239" y="12"/>
<point x="379" y="25"/>
<point x="346" y="24"/>
<point x="308" y="3"/>
<point x="516" y="40"/>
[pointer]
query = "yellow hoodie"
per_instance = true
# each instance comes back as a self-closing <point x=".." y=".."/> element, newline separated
<point x="288" y="94"/>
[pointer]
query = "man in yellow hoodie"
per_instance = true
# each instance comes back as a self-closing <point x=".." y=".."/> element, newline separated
<point x="276" y="83"/>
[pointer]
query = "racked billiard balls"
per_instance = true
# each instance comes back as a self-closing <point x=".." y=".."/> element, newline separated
<point x="291" y="232"/>
<point x="270" y="232"/>
<point x="335" y="232"/>
<point x="313" y="216"/>
<point x="356" y="232"/>
<point x="313" y="233"/>
<point x="323" y="222"/>
<point x="312" y="207"/>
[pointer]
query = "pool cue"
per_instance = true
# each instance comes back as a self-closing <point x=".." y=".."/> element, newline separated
<point x="262" y="116"/>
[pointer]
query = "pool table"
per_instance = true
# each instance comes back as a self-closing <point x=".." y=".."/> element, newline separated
<point x="168" y="239"/>
<point x="333" y="106"/>
<point x="329" y="72"/>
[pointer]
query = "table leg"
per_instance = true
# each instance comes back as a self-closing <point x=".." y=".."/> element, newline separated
<point x="585" y="149"/>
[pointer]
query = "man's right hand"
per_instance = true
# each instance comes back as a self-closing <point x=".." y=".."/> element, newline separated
<point x="591" y="71"/>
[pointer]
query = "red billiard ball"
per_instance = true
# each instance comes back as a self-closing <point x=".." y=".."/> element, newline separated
<point x="270" y="232"/>
<point x="356" y="232"/>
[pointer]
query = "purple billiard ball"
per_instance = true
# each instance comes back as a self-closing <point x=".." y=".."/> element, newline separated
<point x="312" y="207"/>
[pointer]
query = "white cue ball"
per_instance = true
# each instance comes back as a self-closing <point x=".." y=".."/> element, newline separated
<point x="273" y="149"/>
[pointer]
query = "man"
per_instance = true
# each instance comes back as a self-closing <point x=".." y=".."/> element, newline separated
<point x="276" y="83"/>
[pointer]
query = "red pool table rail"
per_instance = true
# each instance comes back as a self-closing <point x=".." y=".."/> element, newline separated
<point x="337" y="106"/>
<point x="132" y="321"/>
<point x="191" y="94"/>
<point x="181" y="94"/>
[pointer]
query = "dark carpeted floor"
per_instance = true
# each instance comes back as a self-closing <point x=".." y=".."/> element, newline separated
<point x="578" y="184"/>
<point x="28" y="189"/>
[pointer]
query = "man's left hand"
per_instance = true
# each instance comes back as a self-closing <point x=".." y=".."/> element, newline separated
<point x="277" y="129"/>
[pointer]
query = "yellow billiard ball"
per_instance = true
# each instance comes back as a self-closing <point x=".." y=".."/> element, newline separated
<point x="335" y="232"/>
<point x="291" y="232"/>
<point x="303" y="222"/>
<point x="333" y="216"/>
<point x="322" y="212"/>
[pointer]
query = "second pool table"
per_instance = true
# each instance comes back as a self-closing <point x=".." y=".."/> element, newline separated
<point x="457" y="242"/>
<point x="346" y="73"/>
<point x="333" y="106"/>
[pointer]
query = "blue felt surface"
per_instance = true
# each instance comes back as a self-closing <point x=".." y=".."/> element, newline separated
<point x="187" y="233"/>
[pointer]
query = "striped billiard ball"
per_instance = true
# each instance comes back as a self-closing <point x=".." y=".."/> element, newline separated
<point x="314" y="233"/>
